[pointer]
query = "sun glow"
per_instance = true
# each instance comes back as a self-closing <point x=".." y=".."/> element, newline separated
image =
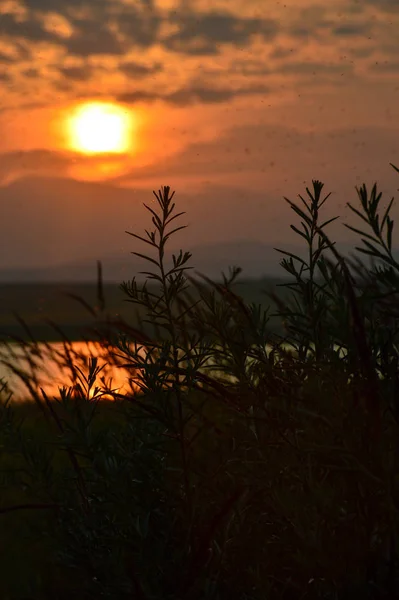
<point x="97" y="127"/>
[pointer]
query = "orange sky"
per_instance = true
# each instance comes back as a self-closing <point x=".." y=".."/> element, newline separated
<point x="256" y="94"/>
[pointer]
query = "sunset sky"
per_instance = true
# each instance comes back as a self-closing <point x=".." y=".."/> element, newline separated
<point x="255" y="97"/>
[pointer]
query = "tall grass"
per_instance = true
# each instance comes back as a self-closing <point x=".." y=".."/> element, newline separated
<point x="273" y="475"/>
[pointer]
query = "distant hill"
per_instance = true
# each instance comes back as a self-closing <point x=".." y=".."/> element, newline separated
<point x="54" y="229"/>
<point x="256" y="260"/>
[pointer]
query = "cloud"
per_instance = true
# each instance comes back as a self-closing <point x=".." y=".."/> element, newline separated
<point x="107" y="27"/>
<point x="362" y="51"/>
<point x="314" y="21"/>
<point x="32" y="72"/>
<point x="385" y="67"/>
<point x="140" y="27"/>
<point x="313" y="68"/>
<point x="15" y="164"/>
<point x="275" y="150"/>
<point x="5" y="59"/>
<point x="30" y="29"/>
<point x="207" y="95"/>
<point x="55" y="163"/>
<point x="301" y="31"/>
<point x="93" y="38"/>
<point x="63" y="6"/>
<point x="281" y="53"/>
<point x="205" y="32"/>
<point x="81" y="73"/>
<point x="352" y="29"/>
<point x="135" y="69"/>
<point x="82" y="37"/>
<point x="384" y="5"/>
<point x="191" y="95"/>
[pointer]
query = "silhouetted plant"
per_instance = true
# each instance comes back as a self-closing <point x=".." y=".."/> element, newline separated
<point x="248" y="464"/>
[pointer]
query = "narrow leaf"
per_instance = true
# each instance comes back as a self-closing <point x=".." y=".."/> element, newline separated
<point x="140" y="238"/>
<point x="151" y="260"/>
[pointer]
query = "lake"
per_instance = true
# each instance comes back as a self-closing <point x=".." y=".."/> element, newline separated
<point x="51" y="374"/>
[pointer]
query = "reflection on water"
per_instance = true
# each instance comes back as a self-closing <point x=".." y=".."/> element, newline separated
<point x="48" y="366"/>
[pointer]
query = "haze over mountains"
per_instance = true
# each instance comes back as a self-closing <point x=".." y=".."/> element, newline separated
<point x="254" y="258"/>
<point x="55" y="229"/>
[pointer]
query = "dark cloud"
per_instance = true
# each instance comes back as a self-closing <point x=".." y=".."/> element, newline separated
<point x="197" y="34"/>
<point x="138" y="96"/>
<point x="63" y="6"/>
<point x="201" y="94"/>
<point x="31" y="29"/>
<point x="93" y="34"/>
<point x="362" y="52"/>
<point x="314" y="22"/>
<point x="91" y="38"/>
<point x="203" y="33"/>
<point x="35" y="158"/>
<point x="249" y="68"/>
<point x="31" y="73"/>
<point x="113" y="28"/>
<point x="385" y="5"/>
<point x="134" y="69"/>
<point x="352" y="29"/>
<point x="253" y="68"/>
<point x="194" y="47"/>
<point x="302" y="31"/>
<point x="385" y="67"/>
<point x="309" y="21"/>
<point x="82" y="73"/>
<point x="5" y="59"/>
<point x="191" y="95"/>
<point x="67" y="6"/>
<point x="54" y="163"/>
<point x="140" y="27"/>
<point x="390" y="48"/>
<point x="279" y="53"/>
<point x="313" y="68"/>
<point x="15" y="164"/>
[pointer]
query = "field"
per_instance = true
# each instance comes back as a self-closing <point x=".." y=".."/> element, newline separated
<point x="37" y="302"/>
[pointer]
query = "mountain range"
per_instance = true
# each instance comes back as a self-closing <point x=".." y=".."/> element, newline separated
<point x="55" y="229"/>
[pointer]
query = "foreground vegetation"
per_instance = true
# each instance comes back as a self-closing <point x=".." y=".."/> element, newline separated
<point x="275" y="479"/>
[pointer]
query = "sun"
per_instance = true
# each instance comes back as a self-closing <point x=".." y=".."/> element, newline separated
<point x="100" y="128"/>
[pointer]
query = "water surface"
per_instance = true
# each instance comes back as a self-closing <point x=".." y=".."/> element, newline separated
<point x="52" y="374"/>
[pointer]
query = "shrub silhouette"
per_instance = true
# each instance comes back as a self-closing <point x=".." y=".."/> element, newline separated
<point x="247" y="464"/>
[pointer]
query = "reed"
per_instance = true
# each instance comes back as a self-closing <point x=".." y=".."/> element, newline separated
<point x="246" y="464"/>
